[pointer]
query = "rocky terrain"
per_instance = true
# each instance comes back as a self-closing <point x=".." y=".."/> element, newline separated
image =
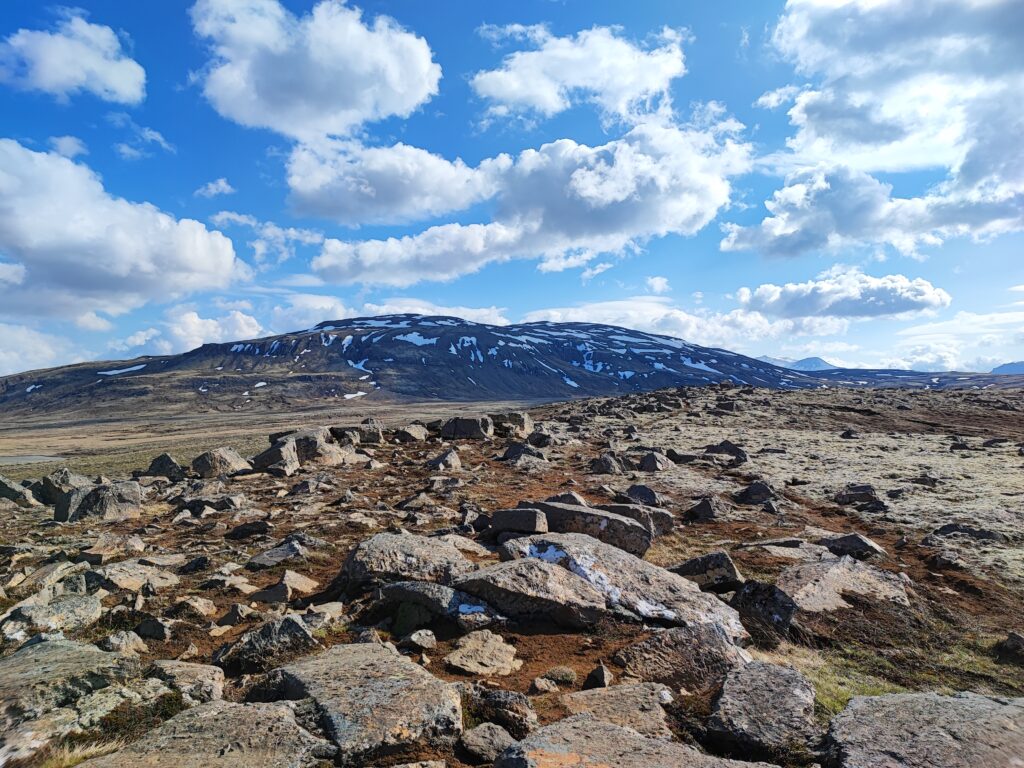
<point x="403" y="358"/>
<point x="718" y="576"/>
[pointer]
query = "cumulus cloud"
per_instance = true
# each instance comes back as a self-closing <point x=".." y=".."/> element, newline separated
<point x="26" y="349"/>
<point x="69" y="146"/>
<point x="566" y="203"/>
<point x="304" y="310"/>
<point x="399" y="306"/>
<point x="185" y="329"/>
<point x="624" y="79"/>
<point x="657" y="314"/>
<point x="269" y="239"/>
<point x="846" y="292"/>
<point x="935" y="84"/>
<point x="323" y="73"/>
<point x="656" y="284"/>
<point x="75" y="248"/>
<point x="353" y="184"/>
<point x="834" y="208"/>
<point x="140" y="138"/>
<point x="76" y="56"/>
<point x="134" y="340"/>
<point x="214" y="188"/>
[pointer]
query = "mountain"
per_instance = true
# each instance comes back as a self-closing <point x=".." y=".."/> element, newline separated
<point x="1012" y="368"/>
<point x="805" y="364"/>
<point x="403" y="358"/>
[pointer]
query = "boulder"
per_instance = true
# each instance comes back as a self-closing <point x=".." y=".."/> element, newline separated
<point x="765" y="710"/>
<point x="51" y="489"/>
<point x="20" y="495"/>
<point x="655" y="519"/>
<point x="606" y="464"/>
<point x="62" y="613"/>
<point x="257" y="649"/>
<point x="583" y="742"/>
<point x="855" y="545"/>
<point x="820" y="586"/>
<point x="533" y="590"/>
<point x="293" y="548"/>
<point x="416" y="603"/>
<point x="371" y="700"/>
<point x="519" y="521"/>
<point x="639" y="706"/>
<point x="130" y="575"/>
<point x="765" y="610"/>
<point x="224" y="734"/>
<point x="403" y="557"/>
<point x="707" y="509"/>
<point x="628" y="583"/>
<point x="285" y="589"/>
<point x="218" y="462"/>
<point x="694" y="659"/>
<point x="165" y="465"/>
<point x="414" y="433"/>
<point x="619" y="531"/>
<point x="478" y="428"/>
<point x="655" y="462"/>
<point x="483" y="653"/>
<point x="109" y="501"/>
<point x="281" y="459"/>
<point x="713" y="572"/>
<point x="926" y="730"/>
<point x="509" y="709"/>
<point x="486" y="742"/>
<point x="644" y="494"/>
<point x="758" y="492"/>
<point x="198" y="683"/>
<point x="449" y="460"/>
<point x="513" y="423"/>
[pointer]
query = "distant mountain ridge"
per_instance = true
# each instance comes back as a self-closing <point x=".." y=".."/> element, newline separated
<point x="1009" y="368"/>
<point x="418" y="357"/>
<point x="804" y="364"/>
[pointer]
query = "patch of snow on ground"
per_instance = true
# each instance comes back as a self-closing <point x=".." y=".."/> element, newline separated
<point x="357" y="394"/>
<point x="570" y="382"/>
<point x="417" y="338"/>
<point x="689" y="363"/>
<point x="31" y="387"/>
<point x="259" y="384"/>
<point x="119" y="371"/>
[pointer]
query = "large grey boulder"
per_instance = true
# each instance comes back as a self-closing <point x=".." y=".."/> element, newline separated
<point x="639" y="706"/>
<point x="765" y="710"/>
<point x="713" y="572"/>
<point x="513" y="423"/>
<point x="280" y="459"/>
<point x="583" y="742"/>
<point x="371" y="700"/>
<point x="51" y="489"/>
<point x="109" y="501"/>
<point x="619" y="531"/>
<point x="165" y="465"/>
<point x="655" y="519"/>
<point x="629" y="583"/>
<point x="20" y="495"/>
<point x="820" y="586"/>
<point x="693" y="659"/>
<point x="483" y="653"/>
<point x="534" y="590"/>
<point x="220" y="461"/>
<point x="403" y="557"/>
<point x="486" y="741"/>
<point x="62" y="613"/>
<point x="223" y="734"/>
<point x="927" y="730"/>
<point x="259" y="648"/>
<point x="44" y="690"/>
<point x="477" y="428"/>
<point x="198" y="683"/>
<point x="131" y="575"/>
<point x="417" y="603"/>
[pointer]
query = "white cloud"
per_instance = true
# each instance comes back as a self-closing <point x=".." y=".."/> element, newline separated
<point x="934" y="84"/>
<point x="657" y="314"/>
<point x="135" y="340"/>
<point x="214" y="188"/>
<point x="186" y="330"/>
<point x="835" y="208"/>
<point x="596" y="66"/>
<point x="846" y="292"/>
<point x="69" y="146"/>
<point x="270" y="238"/>
<point x="12" y="274"/>
<point x="400" y="306"/>
<point x="566" y="203"/>
<point x="90" y="321"/>
<point x="83" y="250"/>
<point x="324" y="73"/>
<point x="26" y="349"/>
<point x="304" y="310"/>
<point x="353" y="184"/>
<point x="140" y="137"/>
<point x="76" y="56"/>
<point x="656" y="284"/>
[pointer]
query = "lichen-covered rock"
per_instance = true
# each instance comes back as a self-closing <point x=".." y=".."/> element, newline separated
<point x="196" y="682"/>
<point x="403" y="557"/>
<point x="694" y="659"/>
<point x="820" y="586"/>
<point x="483" y="653"/>
<point x="627" y="582"/>
<point x="258" y="649"/>
<point x="533" y="590"/>
<point x="478" y="428"/>
<point x="371" y="700"/>
<point x="927" y="730"/>
<point x="713" y="572"/>
<point x="220" y="461"/>
<point x="417" y="603"/>
<point x="639" y="706"/>
<point x="223" y="734"/>
<point x="619" y="531"/>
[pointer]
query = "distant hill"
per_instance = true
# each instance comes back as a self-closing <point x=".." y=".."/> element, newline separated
<point x="1017" y="368"/>
<point x="405" y="358"/>
<point x="804" y="364"/>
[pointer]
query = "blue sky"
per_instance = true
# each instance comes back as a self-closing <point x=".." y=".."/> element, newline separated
<point x="840" y="179"/>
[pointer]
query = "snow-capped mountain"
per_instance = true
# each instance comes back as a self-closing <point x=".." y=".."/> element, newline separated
<point x="804" y="364"/>
<point x="417" y="357"/>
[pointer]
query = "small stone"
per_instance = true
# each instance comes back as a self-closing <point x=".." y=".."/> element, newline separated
<point x="599" y="677"/>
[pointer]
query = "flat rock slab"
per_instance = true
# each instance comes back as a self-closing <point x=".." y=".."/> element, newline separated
<point x="696" y="658"/>
<point x="222" y="734"/>
<point x="583" y="742"/>
<point x="619" y="531"/>
<point x="372" y="700"/>
<point x="765" y="709"/>
<point x="627" y="582"/>
<point x="639" y="706"/>
<point x="404" y="557"/>
<point x="819" y="586"/>
<point x="483" y="653"/>
<point x="534" y="590"/>
<point x="437" y="600"/>
<point x="926" y="730"/>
